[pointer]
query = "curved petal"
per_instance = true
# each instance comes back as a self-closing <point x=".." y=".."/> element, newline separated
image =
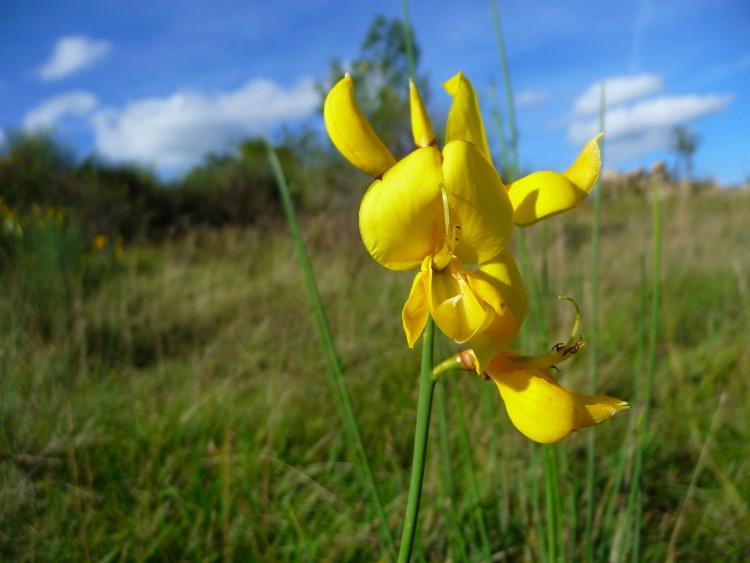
<point x="585" y="170"/>
<point x="478" y="203"/>
<point x="543" y="410"/>
<point x="503" y="275"/>
<point x="352" y="134"/>
<point x="421" y="127"/>
<point x="457" y="310"/>
<point x="540" y="195"/>
<point x="401" y="216"/>
<point x="416" y="308"/>
<point x="498" y="283"/>
<point x="464" y="119"/>
<point x="544" y="194"/>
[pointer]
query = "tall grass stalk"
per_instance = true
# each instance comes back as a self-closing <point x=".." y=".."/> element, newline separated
<point x="408" y="41"/>
<point x="548" y="529"/>
<point x="594" y="341"/>
<point x="624" y="525"/>
<point x="635" y="501"/>
<point x="473" y="483"/>
<point x="456" y="538"/>
<point x="552" y="501"/>
<point x="513" y="132"/>
<point x="333" y="362"/>
<point x="672" y="547"/>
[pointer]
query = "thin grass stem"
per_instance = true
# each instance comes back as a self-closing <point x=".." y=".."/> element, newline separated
<point x="456" y="537"/>
<point x="463" y="434"/>
<point x="513" y="131"/>
<point x="594" y="344"/>
<point x="551" y="484"/>
<point x="537" y="503"/>
<point x="333" y="363"/>
<point x="643" y="420"/>
<point x="410" y="57"/>
<point x="672" y="548"/>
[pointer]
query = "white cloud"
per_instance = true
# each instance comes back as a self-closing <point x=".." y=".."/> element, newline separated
<point x="531" y="98"/>
<point x="47" y="114"/>
<point x="617" y="90"/>
<point x="646" y="126"/>
<point x="178" y="130"/>
<point x="73" y="53"/>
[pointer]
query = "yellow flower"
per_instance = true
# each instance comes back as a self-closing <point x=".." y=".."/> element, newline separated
<point x="100" y="241"/>
<point x="449" y="214"/>
<point x="541" y="408"/>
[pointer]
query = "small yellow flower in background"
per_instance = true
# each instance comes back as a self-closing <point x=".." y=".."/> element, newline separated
<point x="100" y="242"/>
<point x="11" y="227"/>
<point x="449" y="214"/>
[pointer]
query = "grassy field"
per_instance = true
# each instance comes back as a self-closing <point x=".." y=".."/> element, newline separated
<point x="171" y="403"/>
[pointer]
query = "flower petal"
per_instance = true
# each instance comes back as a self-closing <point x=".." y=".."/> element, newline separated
<point x="478" y="203"/>
<point x="457" y="310"/>
<point x="503" y="275"/>
<point x="464" y="119"/>
<point x="585" y="170"/>
<point x="352" y="134"/>
<point x="421" y="127"/>
<point x="416" y="308"/>
<point x="543" y="194"/>
<point x="543" y="410"/>
<point x="401" y="216"/>
<point x="498" y="283"/>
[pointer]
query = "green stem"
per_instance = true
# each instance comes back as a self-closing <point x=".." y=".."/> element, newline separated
<point x="410" y="57"/>
<point x="457" y="546"/>
<point x="552" y="500"/>
<point x="651" y="361"/>
<point x="424" y="408"/>
<point x="473" y="482"/>
<point x="594" y="343"/>
<point x="513" y="132"/>
<point x="333" y="362"/>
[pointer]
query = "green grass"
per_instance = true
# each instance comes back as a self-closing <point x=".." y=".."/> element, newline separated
<point x="184" y="412"/>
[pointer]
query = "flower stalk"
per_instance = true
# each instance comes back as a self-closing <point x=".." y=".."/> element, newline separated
<point x="424" y="409"/>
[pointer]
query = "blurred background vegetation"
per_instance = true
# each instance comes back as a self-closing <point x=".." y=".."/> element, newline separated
<point x="162" y="395"/>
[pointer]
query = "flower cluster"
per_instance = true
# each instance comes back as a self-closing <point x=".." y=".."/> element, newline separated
<point x="447" y="214"/>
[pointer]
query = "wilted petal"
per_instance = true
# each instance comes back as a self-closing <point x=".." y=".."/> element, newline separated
<point x="352" y="134"/>
<point x="541" y="408"/>
<point x="464" y="119"/>
<point x="401" y="216"/>
<point x="421" y="126"/>
<point x="457" y="310"/>
<point x="543" y="194"/>
<point x="478" y="203"/>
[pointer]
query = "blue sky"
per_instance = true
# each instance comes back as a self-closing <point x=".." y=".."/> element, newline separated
<point x="162" y="83"/>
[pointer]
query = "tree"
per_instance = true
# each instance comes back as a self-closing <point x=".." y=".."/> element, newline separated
<point x="684" y="143"/>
